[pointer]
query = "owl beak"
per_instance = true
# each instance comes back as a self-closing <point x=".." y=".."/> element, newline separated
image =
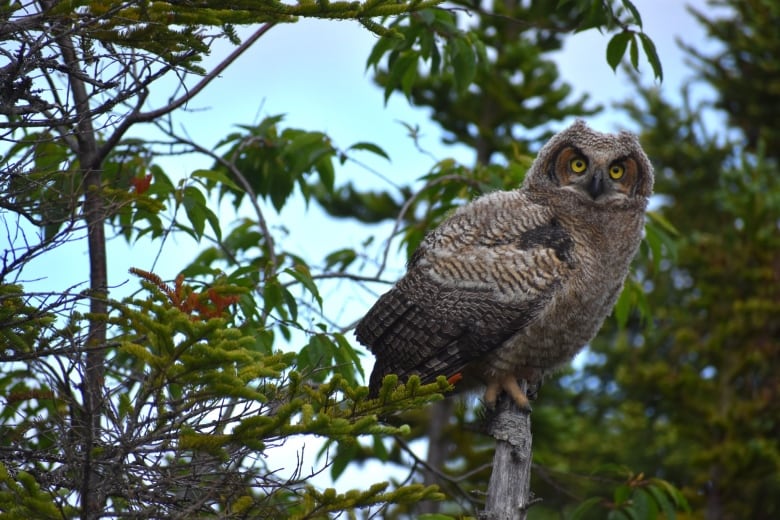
<point x="596" y="185"/>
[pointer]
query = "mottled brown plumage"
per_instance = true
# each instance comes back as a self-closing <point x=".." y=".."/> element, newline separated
<point x="514" y="284"/>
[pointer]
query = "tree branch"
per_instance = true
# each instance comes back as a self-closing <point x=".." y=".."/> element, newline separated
<point x="242" y="180"/>
<point x="233" y="56"/>
<point x="509" y="494"/>
<point x="94" y="215"/>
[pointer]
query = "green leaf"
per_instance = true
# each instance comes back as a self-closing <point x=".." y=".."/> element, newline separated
<point x="619" y="514"/>
<point x="659" y="241"/>
<point x="464" y="64"/>
<point x="634" y="12"/>
<point x="326" y="172"/>
<point x="273" y="297"/>
<point x="644" y="505"/>
<point x="162" y="183"/>
<point x="585" y="506"/>
<point x="125" y="406"/>
<point x="195" y="206"/>
<point x="291" y="303"/>
<point x="408" y="80"/>
<point x="280" y="187"/>
<point x="381" y="47"/>
<point x="380" y="451"/>
<point x="655" y="243"/>
<point x="302" y="274"/>
<point x="427" y="16"/>
<point x="634" y="52"/>
<point x="652" y="56"/>
<point x="345" y="454"/>
<point x="594" y="15"/>
<point x="673" y="492"/>
<point x="621" y="494"/>
<point x="370" y="147"/>
<point x="213" y="222"/>
<point x="616" y="48"/>
<point x="658" y="218"/>
<point x="623" y="307"/>
<point x="217" y="177"/>
<point x="406" y="61"/>
<point x="340" y="259"/>
<point x="348" y="358"/>
<point x="662" y="501"/>
<point x="49" y="156"/>
<point x="303" y="144"/>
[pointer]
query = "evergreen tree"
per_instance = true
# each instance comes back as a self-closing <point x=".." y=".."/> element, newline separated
<point x="691" y="394"/>
<point x="744" y="71"/>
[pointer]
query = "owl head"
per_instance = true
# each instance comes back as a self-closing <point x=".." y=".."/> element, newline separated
<point x="592" y="167"/>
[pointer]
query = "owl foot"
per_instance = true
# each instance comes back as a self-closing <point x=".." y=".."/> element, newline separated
<point x="507" y="383"/>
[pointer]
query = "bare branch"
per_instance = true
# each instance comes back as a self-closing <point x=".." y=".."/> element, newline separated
<point x="154" y="114"/>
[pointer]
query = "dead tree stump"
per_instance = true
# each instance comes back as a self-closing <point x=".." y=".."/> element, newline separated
<point x="508" y="495"/>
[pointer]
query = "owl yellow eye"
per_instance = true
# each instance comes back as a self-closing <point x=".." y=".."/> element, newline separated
<point x="616" y="171"/>
<point x="578" y="165"/>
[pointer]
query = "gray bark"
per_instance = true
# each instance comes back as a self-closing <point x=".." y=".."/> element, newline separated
<point x="508" y="495"/>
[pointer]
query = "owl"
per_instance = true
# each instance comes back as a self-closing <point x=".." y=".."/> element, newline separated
<point x="511" y="286"/>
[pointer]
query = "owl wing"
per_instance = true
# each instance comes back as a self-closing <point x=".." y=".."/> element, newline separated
<point x="474" y="282"/>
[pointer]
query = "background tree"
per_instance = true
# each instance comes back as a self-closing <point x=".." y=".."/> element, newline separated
<point x="690" y="395"/>
<point x="163" y="402"/>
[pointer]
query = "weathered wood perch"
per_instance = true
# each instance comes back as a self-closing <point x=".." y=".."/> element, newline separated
<point x="508" y="494"/>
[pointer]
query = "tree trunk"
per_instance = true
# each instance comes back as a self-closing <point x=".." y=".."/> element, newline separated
<point x="94" y="214"/>
<point x="508" y="496"/>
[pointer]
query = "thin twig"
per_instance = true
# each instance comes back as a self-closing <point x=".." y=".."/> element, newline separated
<point x="436" y="471"/>
<point x="405" y="208"/>
<point x="154" y="114"/>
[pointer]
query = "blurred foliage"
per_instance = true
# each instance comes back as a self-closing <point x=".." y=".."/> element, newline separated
<point x="744" y="68"/>
<point x="692" y="395"/>
<point x="206" y="375"/>
<point x="696" y="392"/>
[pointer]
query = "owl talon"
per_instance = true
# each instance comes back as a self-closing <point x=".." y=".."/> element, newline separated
<point x="509" y="385"/>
